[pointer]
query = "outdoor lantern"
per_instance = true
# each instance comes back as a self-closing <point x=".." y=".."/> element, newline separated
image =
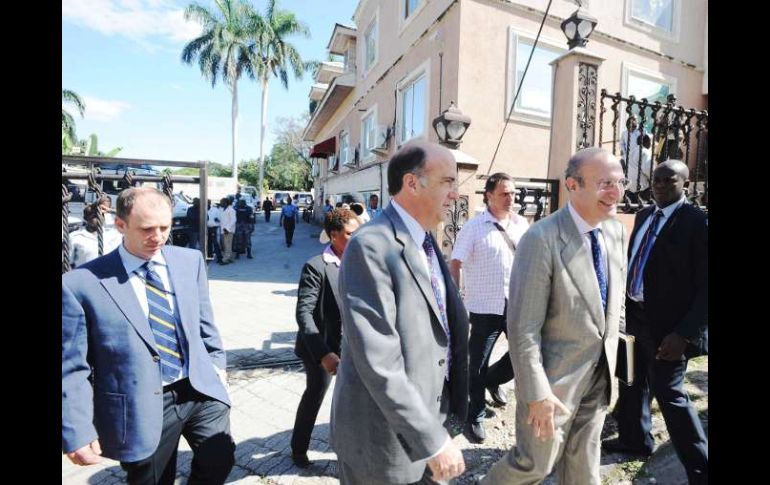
<point x="578" y="28"/>
<point x="451" y="126"/>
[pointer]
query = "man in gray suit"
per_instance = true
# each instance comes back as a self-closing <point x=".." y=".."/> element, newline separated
<point x="565" y="305"/>
<point x="404" y="365"/>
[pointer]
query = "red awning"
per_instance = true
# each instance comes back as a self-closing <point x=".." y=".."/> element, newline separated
<point x="324" y="149"/>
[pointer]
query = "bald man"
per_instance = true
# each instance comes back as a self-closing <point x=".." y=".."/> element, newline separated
<point x="404" y="366"/>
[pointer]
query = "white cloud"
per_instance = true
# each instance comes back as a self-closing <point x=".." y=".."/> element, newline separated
<point x="135" y="19"/>
<point x="102" y="109"/>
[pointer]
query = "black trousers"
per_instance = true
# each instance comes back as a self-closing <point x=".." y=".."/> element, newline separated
<point x="288" y="227"/>
<point x="318" y="381"/>
<point x="663" y="380"/>
<point x="205" y="424"/>
<point x="485" y="329"/>
<point x="267" y="216"/>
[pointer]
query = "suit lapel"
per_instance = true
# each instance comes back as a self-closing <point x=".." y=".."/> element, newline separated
<point x="120" y="290"/>
<point x="332" y="275"/>
<point x="616" y="285"/>
<point x="579" y="263"/>
<point x="184" y="283"/>
<point x="413" y="262"/>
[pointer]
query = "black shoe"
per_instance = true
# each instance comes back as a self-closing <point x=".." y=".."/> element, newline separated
<point x="301" y="461"/>
<point x="498" y="395"/>
<point x="250" y="256"/>
<point x="617" y="446"/>
<point x="477" y="431"/>
<point x="489" y="413"/>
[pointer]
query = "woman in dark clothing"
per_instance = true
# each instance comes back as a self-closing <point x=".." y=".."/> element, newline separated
<point x="320" y="328"/>
<point x="244" y="226"/>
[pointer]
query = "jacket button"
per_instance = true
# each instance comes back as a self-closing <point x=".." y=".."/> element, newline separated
<point x="441" y="362"/>
<point x="155" y="358"/>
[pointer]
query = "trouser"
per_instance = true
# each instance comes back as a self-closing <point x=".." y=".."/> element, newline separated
<point x="485" y="329"/>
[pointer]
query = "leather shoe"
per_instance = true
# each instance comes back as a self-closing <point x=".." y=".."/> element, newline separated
<point x="617" y="446"/>
<point x="478" y="432"/>
<point x="498" y="395"/>
<point x="301" y="461"/>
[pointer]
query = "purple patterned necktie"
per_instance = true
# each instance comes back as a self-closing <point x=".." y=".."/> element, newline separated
<point x="427" y="245"/>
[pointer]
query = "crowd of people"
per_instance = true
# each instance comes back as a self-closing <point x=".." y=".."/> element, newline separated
<point x="380" y="309"/>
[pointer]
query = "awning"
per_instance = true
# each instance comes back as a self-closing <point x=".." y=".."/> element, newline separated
<point x="464" y="160"/>
<point x="324" y="149"/>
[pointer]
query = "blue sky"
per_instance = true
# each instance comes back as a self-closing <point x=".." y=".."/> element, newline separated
<point x="123" y="58"/>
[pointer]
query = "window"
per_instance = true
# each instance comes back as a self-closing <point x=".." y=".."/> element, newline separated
<point x="413" y="108"/>
<point x="370" y="45"/>
<point x="657" y="17"/>
<point x="646" y="84"/>
<point x="534" y="101"/>
<point x="345" y="157"/>
<point x="657" y="13"/>
<point x="410" y="6"/>
<point x="333" y="163"/>
<point x="368" y="134"/>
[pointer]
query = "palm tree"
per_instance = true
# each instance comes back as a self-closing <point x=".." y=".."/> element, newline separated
<point x="222" y="49"/>
<point x="67" y="121"/>
<point x="276" y="56"/>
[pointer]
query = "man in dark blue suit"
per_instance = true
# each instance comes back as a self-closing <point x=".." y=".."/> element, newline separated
<point x="142" y="362"/>
<point x="667" y="312"/>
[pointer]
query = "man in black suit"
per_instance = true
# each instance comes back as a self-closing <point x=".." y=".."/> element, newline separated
<point x="667" y="312"/>
<point x="320" y="328"/>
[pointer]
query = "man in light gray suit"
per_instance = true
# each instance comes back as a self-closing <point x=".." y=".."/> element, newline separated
<point x="404" y="365"/>
<point x="565" y="306"/>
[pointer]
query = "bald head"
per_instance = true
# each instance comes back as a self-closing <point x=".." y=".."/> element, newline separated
<point x="668" y="182"/>
<point x="413" y="158"/>
<point x="127" y="199"/>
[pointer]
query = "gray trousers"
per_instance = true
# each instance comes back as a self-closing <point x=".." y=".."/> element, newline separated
<point x="349" y="476"/>
<point x="574" y="451"/>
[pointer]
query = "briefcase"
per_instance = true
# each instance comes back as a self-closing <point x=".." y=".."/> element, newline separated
<point x="624" y="368"/>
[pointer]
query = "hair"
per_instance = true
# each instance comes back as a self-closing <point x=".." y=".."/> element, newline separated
<point x="224" y="202"/>
<point x="578" y="159"/>
<point x="91" y="212"/>
<point x="336" y="220"/>
<point x="127" y="198"/>
<point x="358" y="208"/>
<point x="493" y="181"/>
<point x="410" y="159"/>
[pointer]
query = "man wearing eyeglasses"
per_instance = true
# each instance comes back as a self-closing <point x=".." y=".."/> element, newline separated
<point x="667" y="312"/>
<point x="564" y="309"/>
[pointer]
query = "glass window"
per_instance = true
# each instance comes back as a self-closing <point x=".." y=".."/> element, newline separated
<point x="644" y="87"/>
<point x="413" y="109"/>
<point x="657" y="13"/>
<point x="368" y="135"/>
<point x="370" y="45"/>
<point x="410" y="6"/>
<point x="344" y="149"/>
<point x="535" y="96"/>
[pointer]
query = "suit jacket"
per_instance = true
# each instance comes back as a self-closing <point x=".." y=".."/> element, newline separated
<point x="111" y="378"/>
<point x="557" y="329"/>
<point x="386" y="413"/>
<point x="676" y="277"/>
<point x="318" y="314"/>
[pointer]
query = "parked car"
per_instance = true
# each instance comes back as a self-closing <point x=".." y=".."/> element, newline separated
<point x="304" y="199"/>
<point x="280" y="198"/>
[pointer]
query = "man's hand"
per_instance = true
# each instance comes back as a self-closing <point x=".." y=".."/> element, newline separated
<point x="87" y="455"/>
<point x="448" y="464"/>
<point x="330" y="362"/>
<point x="541" y="414"/>
<point x="671" y="348"/>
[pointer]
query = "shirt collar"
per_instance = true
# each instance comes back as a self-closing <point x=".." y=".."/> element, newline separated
<point x="581" y="223"/>
<point x="133" y="263"/>
<point x="414" y="227"/>
<point x="667" y="211"/>
<point x="329" y="256"/>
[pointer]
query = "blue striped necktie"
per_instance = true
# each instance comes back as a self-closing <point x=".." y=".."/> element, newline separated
<point x="635" y="276"/>
<point x="596" y="252"/>
<point x="163" y="324"/>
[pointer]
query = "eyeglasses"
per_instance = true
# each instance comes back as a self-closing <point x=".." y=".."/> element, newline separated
<point x="621" y="184"/>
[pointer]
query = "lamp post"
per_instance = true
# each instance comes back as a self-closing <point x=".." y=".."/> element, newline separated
<point x="578" y="27"/>
<point x="451" y="125"/>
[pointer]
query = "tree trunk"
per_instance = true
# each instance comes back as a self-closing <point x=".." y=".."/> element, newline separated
<point x="263" y="124"/>
<point x="235" y="128"/>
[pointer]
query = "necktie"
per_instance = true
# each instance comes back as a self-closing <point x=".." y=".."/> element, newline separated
<point x="427" y="246"/>
<point x="640" y="259"/>
<point x="596" y="251"/>
<point x="163" y="324"/>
